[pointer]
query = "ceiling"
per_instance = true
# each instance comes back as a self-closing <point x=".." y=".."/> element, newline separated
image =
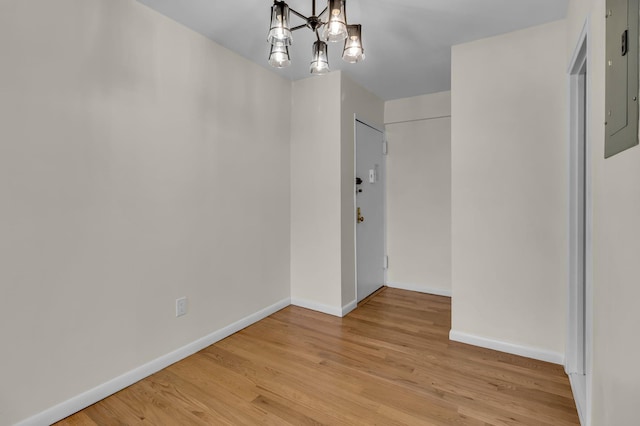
<point x="407" y="42"/>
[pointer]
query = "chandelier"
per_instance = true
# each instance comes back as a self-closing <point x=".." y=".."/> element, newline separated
<point x="329" y="25"/>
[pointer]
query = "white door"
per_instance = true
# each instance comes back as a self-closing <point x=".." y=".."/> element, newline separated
<point x="370" y="178"/>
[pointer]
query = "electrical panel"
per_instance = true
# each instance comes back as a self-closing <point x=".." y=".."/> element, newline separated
<point x="621" y="90"/>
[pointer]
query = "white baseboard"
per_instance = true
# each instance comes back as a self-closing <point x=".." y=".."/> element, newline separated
<point x="325" y="309"/>
<point x="579" y="390"/>
<point x="315" y="306"/>
<point x="349" y="307"/>
<point x="77" y="403"/>
<point x="511" y="348"/>
<point x="420" y="288"/>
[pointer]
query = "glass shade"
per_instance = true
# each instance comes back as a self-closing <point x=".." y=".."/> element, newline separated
<point x="279" y="55"/>
<point x="320" y="60"/>
<point x="353" y="51"/>
<point x="336" y="27"/>
<point x="279" y="32"/>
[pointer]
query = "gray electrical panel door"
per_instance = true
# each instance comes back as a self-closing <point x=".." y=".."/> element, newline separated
<point x="621" y="91"/>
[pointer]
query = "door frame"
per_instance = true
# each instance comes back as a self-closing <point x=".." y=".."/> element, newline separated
<point x="580" y="371"/>
<point x="383" y="182"/>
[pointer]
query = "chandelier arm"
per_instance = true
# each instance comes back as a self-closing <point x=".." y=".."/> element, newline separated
<point x="299" y="27"/>
<point x="298" y="14"/>
<point x="322" y="13"/>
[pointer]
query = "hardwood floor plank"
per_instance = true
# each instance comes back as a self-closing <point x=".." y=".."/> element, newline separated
<point x="388" y="362"/>
<point x="80" y="419"/>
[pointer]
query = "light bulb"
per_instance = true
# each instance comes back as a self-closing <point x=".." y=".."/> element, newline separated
<point x="279" y="31"/>
<point x="279" y="56"/>
<point x="336" y="27"/>
<point x="320" y="61"/>
<point x="353" y="51"/>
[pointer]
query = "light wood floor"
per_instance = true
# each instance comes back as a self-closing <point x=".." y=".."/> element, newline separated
<point x="389" y="362"/>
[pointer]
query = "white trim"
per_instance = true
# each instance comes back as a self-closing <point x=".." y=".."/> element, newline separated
<point x="581" y="383"/>
<point x="325" y="309"/>
<point x="384" y="182"/>
<point x="421" y="289"/>
<point x="315" y="306"/>
<point x="577" y="50"/>
<point x="418" y="119"/>
<point x="511" y="348"/>
<point x="355" y="206"/>
<point x="579" y="387"/>
<point x="77" y="403"/>
<point x="578" y="194"/>
<point x="349" y="307"/>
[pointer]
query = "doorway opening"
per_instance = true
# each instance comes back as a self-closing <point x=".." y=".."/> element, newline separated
<point x="370" y="209"/>
<point x="579" y="324"/>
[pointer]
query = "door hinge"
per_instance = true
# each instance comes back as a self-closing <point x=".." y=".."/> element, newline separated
<point x="384" y="147"/>
<point x="385" y="262"/>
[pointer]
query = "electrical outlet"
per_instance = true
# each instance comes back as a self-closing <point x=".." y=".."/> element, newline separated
<point x="181" y="306"/>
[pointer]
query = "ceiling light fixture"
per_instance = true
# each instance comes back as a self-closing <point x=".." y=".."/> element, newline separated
<point x="333" y="28"/>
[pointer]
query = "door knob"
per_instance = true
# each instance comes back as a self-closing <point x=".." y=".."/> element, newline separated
<point x="360" y="217"/>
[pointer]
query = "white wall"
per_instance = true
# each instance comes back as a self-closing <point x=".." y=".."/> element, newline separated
<point x="315" y="194"/>
<point x="615" y="379"/>
<point x="322" y="188"/>
<point x="434" y="105"/>
<point x="419" y="193"/>
<point x="510" y="191"/>
<point x="139" y="162"/>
